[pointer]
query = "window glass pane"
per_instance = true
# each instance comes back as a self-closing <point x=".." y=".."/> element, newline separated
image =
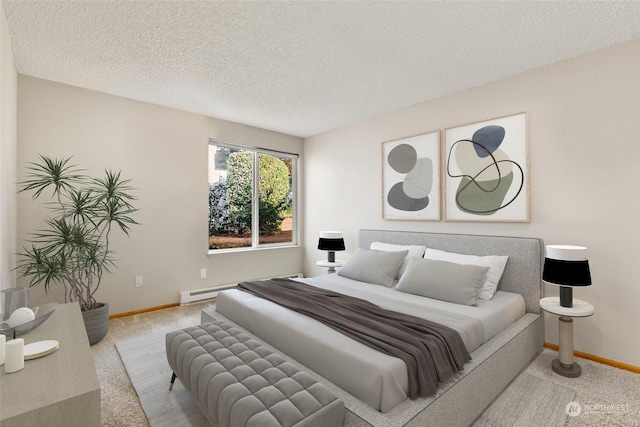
<point x="230" y="197"/>
<point x="251" y="189"/>
<point x="275" y="211"/>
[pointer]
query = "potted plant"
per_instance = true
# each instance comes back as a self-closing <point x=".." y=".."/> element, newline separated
<point x="73" y="249"/>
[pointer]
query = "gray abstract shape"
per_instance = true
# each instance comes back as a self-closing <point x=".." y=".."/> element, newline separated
<point x="418" y="183"/>
<point x="489" y="138"/>
<point x="398" y="199"/>
<point x="402" y="158"/>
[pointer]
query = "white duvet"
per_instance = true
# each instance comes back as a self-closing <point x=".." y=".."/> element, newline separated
<point x="373" y="377"/>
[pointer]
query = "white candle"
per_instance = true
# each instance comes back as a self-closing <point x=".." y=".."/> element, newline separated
<point x="13" y="355"/>
<point x="2" y="341"/>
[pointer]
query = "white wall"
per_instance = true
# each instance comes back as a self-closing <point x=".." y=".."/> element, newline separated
<point x="8" y="84"/>
<point x="584" y="118"/>
<point x="164" y="152"/>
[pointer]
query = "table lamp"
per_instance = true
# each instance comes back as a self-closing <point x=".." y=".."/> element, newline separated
<point x="566" y="266"/>
<point x="331" y="241"/>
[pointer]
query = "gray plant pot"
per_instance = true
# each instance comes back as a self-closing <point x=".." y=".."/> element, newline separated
<point x="96" y="322"/>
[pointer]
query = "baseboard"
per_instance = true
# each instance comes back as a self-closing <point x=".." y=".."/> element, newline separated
<point x="604" y="361"/>
<point x="144" y="310"/>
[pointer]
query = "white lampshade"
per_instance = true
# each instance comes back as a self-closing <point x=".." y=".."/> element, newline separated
<point x="567" y="252"/>
<point x="331" y="234"/>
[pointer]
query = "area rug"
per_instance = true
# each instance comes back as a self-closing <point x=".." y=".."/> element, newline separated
<point x="146" y="363"/>
<point x="528" y="401"/>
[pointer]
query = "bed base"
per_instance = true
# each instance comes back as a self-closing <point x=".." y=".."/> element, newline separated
<point x="467" y="399"/>
<point x="457" y="403"/>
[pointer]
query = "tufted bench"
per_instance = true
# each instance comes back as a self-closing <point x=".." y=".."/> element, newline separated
<point x="237" y="381"/>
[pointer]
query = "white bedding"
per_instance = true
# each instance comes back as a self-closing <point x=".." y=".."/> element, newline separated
<point x="375" y="378"/>
<point x="493" y="315"/>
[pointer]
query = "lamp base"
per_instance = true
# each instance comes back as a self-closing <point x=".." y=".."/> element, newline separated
<point x="572" y="371"/>
<point x="331" y="256"/>
<point x="564" y="364"/>
<point x="566" y="296"/>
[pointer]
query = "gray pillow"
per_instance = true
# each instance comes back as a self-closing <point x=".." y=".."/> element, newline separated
<point x="377" y="267"/>
<point x="443" y="280"/>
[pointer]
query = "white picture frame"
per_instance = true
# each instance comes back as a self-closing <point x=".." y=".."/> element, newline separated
<point x="486" y="170"/>
<point x="411" y="178"/>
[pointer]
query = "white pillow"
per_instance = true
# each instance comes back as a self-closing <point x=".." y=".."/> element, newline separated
<point x="496" y="264"/>
<point x="415" y="251"/>
<point x="377" y="267"/>
<point x="443" y="280"/>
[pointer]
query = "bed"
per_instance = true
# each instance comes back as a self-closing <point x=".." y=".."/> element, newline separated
<point x="502" y="334"/>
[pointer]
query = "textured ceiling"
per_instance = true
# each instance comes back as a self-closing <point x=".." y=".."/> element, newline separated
<point x="302" y="68"/>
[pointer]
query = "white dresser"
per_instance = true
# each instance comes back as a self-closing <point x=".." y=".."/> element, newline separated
<point x="61" y="389"/>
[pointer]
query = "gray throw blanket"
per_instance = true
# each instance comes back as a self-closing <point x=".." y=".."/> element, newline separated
<point x="432" y="352"/>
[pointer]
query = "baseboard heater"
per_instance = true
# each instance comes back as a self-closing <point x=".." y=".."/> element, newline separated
<point x="199" y="295"/>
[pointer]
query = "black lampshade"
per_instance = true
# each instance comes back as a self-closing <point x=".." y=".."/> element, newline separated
<point x="331" y="241"/>
<point x="566" y="273"/>
<point x="566" y="266"/>
<point x="331" y="244"/>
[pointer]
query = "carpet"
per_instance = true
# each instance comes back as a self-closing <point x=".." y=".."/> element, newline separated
<point x="529" y="400"/>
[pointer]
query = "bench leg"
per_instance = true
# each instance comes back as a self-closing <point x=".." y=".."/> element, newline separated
<point x="173" y="379"/>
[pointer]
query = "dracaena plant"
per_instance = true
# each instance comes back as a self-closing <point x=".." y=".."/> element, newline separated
<point x="73" y="247"/>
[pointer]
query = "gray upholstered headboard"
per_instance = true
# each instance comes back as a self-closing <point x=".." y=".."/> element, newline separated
<point x="523" y="273"/>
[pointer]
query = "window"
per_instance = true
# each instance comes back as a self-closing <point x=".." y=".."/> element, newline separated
<point x="251" y="189"/>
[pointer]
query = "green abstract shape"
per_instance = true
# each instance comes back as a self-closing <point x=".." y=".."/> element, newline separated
<point x="472" y="199"/>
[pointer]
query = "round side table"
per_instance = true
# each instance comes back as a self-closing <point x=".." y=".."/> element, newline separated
<point x="564" y="364"/>
<point x="330" y="265"/>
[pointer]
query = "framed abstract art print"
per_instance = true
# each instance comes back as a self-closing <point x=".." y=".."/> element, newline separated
<point x="411" y="178"/>
<point x="486" y="171"/>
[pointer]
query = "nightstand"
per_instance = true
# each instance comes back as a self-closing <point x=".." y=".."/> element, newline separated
<point x="564" y="364"/>
<point x="330" y="265"/>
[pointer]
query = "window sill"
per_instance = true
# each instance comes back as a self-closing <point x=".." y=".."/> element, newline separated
<point x="240" y="250"/>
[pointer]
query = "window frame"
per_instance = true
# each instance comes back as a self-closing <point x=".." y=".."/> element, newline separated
<point x="255" y="202"/>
